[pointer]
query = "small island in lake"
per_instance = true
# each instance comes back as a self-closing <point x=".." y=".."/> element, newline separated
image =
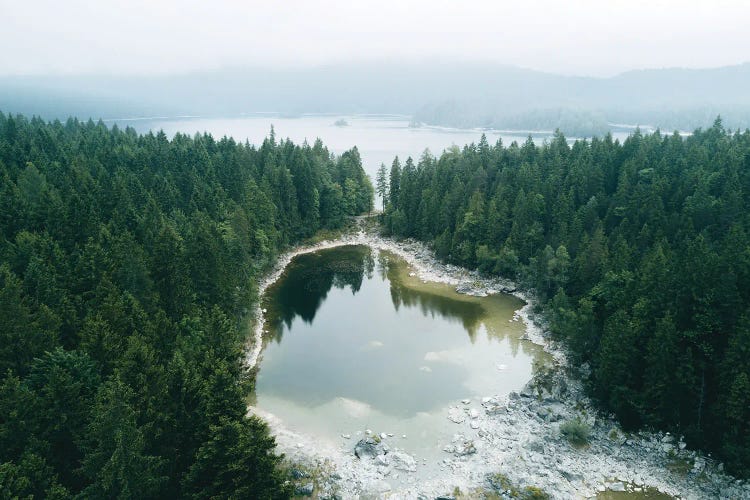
<point x="341" y="123"/>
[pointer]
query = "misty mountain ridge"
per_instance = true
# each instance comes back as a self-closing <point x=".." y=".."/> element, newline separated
<point x="451" y="94"/>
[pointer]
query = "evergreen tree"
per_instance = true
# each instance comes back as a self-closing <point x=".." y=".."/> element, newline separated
<point x="381" y="184"/>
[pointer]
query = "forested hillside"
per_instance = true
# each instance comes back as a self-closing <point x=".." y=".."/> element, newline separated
<point x="639" y="252"/>
<point x="127" y="265"/>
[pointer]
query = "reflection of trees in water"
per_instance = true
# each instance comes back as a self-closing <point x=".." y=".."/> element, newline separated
<point x="309" y="277"/>
<point x="382" y="266"/>
<point x="470" y="314"/>
<point x="497" y="328"/>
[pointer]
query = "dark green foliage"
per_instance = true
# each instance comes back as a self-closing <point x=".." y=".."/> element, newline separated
<point x="31" y="478"/>
<point x="224" y="469"/>
<point x="115" y="463"/>
<point x="639" y="251"/>
<point x="127" y="265"/>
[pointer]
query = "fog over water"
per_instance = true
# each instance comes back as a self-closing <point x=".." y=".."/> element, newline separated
<point x="542" y="64"/>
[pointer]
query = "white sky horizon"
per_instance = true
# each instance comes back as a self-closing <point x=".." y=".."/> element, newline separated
<point x="582" y="38"/>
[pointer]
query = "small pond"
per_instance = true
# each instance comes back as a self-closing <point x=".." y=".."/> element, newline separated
<point x="357" y="342"/>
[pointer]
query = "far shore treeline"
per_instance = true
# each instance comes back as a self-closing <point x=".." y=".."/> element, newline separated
<point x="127" y="265"/>
<point x="639" y="253"/>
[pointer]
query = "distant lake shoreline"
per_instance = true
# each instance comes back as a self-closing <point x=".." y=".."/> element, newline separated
<point x="379" y="138"/>
<point x="617" y="129"/>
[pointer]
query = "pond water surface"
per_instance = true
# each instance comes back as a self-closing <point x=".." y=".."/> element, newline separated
<point x="355" y="342"/>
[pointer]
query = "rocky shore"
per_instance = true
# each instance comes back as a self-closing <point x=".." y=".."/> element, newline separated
<point x="517" y="437"/>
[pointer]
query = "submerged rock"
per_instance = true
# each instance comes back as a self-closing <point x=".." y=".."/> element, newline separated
<point x="456" y="415"/>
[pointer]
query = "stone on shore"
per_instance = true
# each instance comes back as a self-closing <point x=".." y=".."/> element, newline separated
<point x="617" y="486"/>
<point x="403" y="461"/>
<point x="304" y="490"/>
<point x="461" y="446"/>
<point x="495" y="409"/>
<point x="370" y="447"/>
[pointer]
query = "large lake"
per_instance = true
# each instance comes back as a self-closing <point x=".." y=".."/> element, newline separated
<point x="355" y="343"/>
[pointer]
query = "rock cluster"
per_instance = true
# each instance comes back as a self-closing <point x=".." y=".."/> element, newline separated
<point x="370" y="447"/>
<point x="461" y="446"/>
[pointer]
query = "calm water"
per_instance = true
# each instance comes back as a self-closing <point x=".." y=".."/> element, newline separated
<point x="356" y="343"/>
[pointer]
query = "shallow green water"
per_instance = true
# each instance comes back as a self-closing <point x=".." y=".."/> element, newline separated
<point x="356" y="343"/>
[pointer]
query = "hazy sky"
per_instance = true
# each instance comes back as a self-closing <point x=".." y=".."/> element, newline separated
<point x="599" y="37"/>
